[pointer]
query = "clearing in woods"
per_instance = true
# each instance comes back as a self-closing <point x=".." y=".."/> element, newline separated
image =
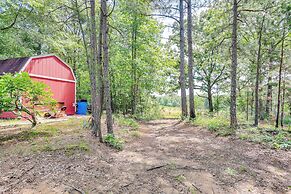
<point x="164" y="156"/>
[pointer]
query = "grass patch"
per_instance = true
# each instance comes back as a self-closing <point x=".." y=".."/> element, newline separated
<point x="230" y="171"/>
<point x="218" y="124"/>
<point x="170" y="112"/>
<point x="25" y="135"/>
<point x="114" y="142"/>
<point x="212" y="123"/>
<point x="69" y="149"/>
<point x="135" y="134"/>
<point x="81" y="146"/>
<point x="274" y="137"/>
<point x="127" y="122"/>
<point x="180" y="178"/>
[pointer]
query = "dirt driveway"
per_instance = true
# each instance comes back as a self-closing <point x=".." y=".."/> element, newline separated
<point x="167" y="157"/>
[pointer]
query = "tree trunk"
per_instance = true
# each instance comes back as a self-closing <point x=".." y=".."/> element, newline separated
<point x="258" y="69"/>
<point x="34" y="120"/>
<point x="133" y="67"/>
<point x="190" y="61"/>
<point x="182" y="62"/>
<point x="233" y="118"/>
<point x="109" y="120"/>
<point x="283" y="103"/>
<point x="95" y="87"/>
<point x="279" y="82"/>
<point x="99" y="62"/>
<point x="247" y="108"/>
<point x="209" y="97"/>
<point x="269" y="90"/>
<point x="252" y="103"/>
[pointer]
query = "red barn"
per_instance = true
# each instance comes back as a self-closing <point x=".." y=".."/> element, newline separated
<point x="50" y="70"/>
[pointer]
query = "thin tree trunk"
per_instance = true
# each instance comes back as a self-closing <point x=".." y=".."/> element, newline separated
<point x="109" y="119"/>
<point x="133" y="67"/>
<point x="258" y="70"/>
<point x="283" y="103"/>
<point x="233" y="118"/>
<point x="247" y="108"/>
<point x="280" y="79"/>
<point x="269" y="89"/>
<point x="95" y="87"/>
<point x="133" y="102"/>
<point x="182" y="62"/>
<point x="252" y="103"/>
<point x="217" y="100"/>
<point x="190" y="61"/>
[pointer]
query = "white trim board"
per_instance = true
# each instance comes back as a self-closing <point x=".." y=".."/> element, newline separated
<point x="51" y="55"/>
<point x="51" y="78"/>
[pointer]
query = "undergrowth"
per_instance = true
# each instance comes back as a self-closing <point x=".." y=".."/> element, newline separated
<point x="114" y="142"/>
<point x="218" y="124"/>
<point x="127" y="122"/>
<point x="274" y="137"/>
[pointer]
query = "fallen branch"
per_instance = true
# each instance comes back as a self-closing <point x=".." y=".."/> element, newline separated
<point x="76" y="189"/>
<point x="196" y="188"/>
<point x="156" y="167"/>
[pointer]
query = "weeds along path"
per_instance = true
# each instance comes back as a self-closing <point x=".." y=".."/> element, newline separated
<point x="167" y="156"/>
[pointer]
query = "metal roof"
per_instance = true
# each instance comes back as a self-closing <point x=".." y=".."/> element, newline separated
<point x="12" y="65"/>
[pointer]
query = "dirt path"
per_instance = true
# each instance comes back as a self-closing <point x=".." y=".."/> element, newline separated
<point x="168" y="157"/>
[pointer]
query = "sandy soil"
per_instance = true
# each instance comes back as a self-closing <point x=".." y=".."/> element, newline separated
<point x="168" y="157"/>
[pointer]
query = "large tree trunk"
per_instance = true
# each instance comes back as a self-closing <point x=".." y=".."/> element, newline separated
<point x="109" y="120"/>
<point x="99" y="62"/>
<point x="209" y="98"/>
<point x="280" y="80"/>
<point x="95" y="87"/>
<point x="258" y="70"/>
<point x="190" y="61"/>
<point x="182" y="62"/>
<point x="233" y="73"/>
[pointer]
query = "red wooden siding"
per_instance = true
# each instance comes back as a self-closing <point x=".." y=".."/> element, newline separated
<point x="49" y="66"/>
<point x="63" y="92"/>
<point x="57" y="75"/>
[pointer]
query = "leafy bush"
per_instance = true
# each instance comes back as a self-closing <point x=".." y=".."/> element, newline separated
<point x="20" y="94"/>
<point x="114" y="142"/>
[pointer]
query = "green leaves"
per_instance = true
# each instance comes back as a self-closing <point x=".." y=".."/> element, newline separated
<point x="19" y="91"/>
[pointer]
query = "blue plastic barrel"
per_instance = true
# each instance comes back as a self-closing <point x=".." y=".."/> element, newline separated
<point x="82" y="108"/>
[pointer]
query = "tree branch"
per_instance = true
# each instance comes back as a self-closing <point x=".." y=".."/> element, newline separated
<point x="14" y="21"/>
<point x="162" y="15"/>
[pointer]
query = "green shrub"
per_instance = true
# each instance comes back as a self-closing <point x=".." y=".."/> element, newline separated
<point x="113" y="141"/>
<point x="287" y="120"/>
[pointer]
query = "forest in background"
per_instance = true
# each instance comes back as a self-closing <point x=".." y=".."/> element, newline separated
<point x="240" y="48"/>
<point x="186" y="96"/>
